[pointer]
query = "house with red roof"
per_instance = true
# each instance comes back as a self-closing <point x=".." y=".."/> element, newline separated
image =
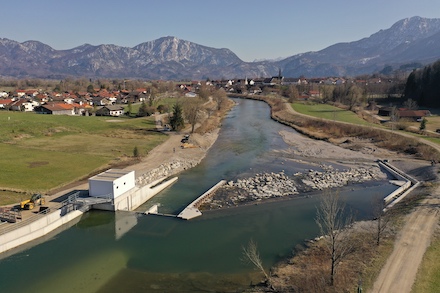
<point x="416" y="115"/>
<point x="55" y="109"/>
<point x="4" y="103"/>
<point x="64" y="109"/>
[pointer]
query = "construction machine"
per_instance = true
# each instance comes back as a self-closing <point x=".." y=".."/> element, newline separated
<point x="29" y="204"/>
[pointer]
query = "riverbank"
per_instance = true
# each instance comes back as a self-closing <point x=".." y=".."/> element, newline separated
<point x="308" y="270"/>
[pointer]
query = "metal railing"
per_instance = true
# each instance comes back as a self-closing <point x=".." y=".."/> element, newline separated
<point x="68" y="205"/>
<point x="72" y="203"/>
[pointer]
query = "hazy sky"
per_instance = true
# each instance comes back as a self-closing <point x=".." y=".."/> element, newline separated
<point x="251" y="29"/>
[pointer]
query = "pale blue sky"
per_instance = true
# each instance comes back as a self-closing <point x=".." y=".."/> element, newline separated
<point x="251" y="29"/>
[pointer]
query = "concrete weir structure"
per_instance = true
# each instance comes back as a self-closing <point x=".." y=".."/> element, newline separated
<point x="119" y="186"/>
<point x="192" y="210"/>
<point x="112" y="190"/>
<point x="407" y="185"/>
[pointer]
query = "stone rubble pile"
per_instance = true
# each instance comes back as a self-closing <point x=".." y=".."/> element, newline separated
<point x="265" y="185"/>
<point x="271" y="185"/>
<point x="330" y="177"/>
<point x="165" y="170"/>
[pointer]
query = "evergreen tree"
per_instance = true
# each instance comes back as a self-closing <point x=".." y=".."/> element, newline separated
<point x="176" y="121"/>
<point x="423" y="124"/>
<point x="143" y="111"/>
<point x="423" y="86"/>
<point x="90" y="88"/>
<point x="136" y="152"/>
<point x="130" y="109"/>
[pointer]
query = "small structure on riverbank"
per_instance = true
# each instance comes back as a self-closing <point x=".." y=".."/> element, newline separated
<point x="112" y="190"/>
<point x="111" y="183"/>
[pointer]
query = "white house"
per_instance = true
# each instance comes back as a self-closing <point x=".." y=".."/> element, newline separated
<point x="115" y="111"/>
<point x="23" y="105"/>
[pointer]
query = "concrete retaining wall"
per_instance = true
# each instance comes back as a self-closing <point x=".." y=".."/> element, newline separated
<point x="397" y="192"/>
<point x="47" y="223"/>
<point x="402" y="196"/>
<point x="410" y="184"/>
<point x="36" y="229"/>
<point x="135" y="197"/>
<point x="394" y="171"/>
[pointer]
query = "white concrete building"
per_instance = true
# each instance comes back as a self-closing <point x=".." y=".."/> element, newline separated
<point x="111" y="183"/>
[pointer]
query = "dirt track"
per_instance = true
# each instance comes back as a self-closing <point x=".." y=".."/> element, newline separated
<point x="399" y="272"/>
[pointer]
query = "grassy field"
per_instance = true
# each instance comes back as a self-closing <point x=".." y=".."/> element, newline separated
<point x="41" y="152"/>
<point x="328" y="112"/>
<point x="169" y="102"/>
<point x="428" y="276"/>
<point x="432" y="124"/>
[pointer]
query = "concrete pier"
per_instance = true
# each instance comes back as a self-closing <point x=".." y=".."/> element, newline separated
<point x="192" y="210"/>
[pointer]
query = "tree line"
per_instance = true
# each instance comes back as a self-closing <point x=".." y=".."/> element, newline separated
<point x="423" y="86"/>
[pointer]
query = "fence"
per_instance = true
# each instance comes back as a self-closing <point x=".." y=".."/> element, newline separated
<point x="66" y="206"/>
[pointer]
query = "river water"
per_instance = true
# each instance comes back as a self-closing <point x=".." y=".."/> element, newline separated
<point x="125" y="252"/>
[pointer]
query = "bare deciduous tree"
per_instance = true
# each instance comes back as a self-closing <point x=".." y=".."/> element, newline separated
<point x="251" y="255"/>
<point x="383" y="219"/>
<point x="332" y="219"/>
<point x="292" y="93"/>
<point x="204" y="91"/>
<point x="354" y="96"/>
<point x="219" y="96"/>
<point x="192" y="108"/>
<point x="410" y="104"/>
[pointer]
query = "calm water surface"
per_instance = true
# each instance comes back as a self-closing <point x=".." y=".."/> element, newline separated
<point x="125" y="252"/>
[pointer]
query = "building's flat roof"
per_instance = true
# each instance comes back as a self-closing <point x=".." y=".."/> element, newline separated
<point x="110" y="175"/>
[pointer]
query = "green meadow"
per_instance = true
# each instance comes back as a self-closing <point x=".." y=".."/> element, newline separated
<point x="42" y="152"/>
<point x="428" y="275"/>
<point x="328" y="112"/>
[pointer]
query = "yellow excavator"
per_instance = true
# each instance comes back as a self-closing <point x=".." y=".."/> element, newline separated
<point x="29" y="204"/>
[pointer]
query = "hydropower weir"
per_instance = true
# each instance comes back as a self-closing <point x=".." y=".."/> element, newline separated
<point x="192" y="210"/>
<point x="59" y="214"/>
<point x="405" y="181"/>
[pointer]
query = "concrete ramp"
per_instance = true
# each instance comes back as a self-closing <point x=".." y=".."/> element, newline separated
<point x="189" y="213"/>
<point x="192" y="211"/>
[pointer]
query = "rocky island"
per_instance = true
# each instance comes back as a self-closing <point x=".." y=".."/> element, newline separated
<point x="266" y="186"/>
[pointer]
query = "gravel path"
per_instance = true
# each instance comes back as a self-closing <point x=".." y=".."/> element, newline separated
<point x="399" y="273"/>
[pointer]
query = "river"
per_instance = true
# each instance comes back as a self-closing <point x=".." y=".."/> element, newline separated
<point x="127" y="252"/>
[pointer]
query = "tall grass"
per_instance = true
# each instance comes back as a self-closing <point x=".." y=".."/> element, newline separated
<point x="428" y="276"/>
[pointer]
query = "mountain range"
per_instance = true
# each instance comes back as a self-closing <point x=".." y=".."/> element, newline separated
<point x="410" y="41"/>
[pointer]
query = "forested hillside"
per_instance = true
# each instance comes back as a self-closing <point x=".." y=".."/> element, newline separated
<point x="423" y="86"/>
